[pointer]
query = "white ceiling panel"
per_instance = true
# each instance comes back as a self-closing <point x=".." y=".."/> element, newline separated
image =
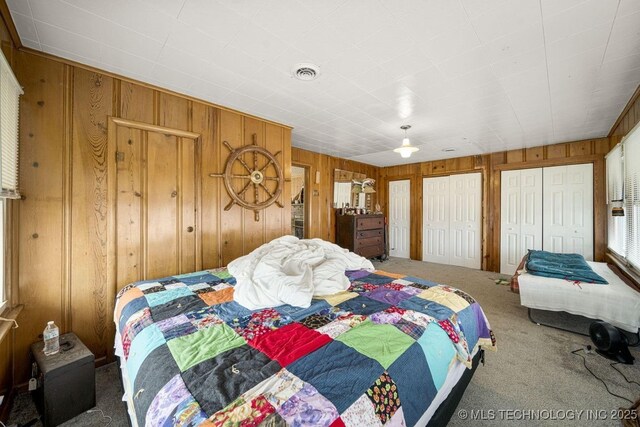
<point x="473" y="75"/>
<point x="26" y="25"/>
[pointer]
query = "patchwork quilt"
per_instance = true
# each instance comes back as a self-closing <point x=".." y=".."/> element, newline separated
<point x="373" y="355"/>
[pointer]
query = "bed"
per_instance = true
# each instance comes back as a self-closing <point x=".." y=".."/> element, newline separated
<point x="614" y="302"/>
<point x="390" y="350"/>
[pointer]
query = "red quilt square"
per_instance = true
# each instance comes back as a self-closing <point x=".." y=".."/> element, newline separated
<point x="289" y="343"/>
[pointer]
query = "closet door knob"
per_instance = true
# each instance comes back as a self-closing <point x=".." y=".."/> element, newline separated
<point x="189" y="229"/>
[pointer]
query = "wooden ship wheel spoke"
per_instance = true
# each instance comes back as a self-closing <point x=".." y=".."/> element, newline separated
<point x="256" y="176"/>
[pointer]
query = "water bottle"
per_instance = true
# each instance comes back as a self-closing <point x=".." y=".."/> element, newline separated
<point x="51" y="336"/>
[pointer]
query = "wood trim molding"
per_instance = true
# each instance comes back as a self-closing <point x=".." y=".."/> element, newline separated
<point x="67" y="159"/>
<point x="625" y="110"/>
<point x="562" y="161"/>
<point x="629" y="275"/>
<point x="11" y="26"/>
<point x="401" y="177"/>
<point x="154" y="128"/>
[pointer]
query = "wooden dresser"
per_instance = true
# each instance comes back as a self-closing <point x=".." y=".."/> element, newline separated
<point x="362" y="234"/>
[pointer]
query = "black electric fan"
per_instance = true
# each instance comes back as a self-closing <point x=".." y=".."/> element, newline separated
<point x="610" y="342"/>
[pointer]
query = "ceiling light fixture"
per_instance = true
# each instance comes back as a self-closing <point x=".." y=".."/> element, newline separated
<point x="406" y="148"/>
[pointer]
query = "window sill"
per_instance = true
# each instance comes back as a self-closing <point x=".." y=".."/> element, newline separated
<point x="11" y="314"/>
<point x="628" y="273"/>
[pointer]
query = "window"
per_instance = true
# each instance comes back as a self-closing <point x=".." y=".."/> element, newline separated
<point x="623" y="191"/>
<point x="615" y="193"/>
<point x="631" y="150"/>
<point x="3" y="293"/>
<point x="10" y="92"/>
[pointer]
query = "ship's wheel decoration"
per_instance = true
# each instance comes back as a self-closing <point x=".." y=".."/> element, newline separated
<point x="256" y="176"/>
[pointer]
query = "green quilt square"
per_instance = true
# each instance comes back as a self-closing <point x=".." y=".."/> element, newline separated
<point x="222" y="274"/>
<point x="189" y="350"/>
<point x="384" y="343"/>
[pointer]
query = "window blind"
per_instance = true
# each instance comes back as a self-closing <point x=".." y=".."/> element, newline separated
<point x="631" y="147"/>
<point x="10" y="92"/>
<point x="615" y="179"/>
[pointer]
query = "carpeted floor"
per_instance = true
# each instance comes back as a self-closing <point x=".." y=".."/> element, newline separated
<point x="533" y="369"/>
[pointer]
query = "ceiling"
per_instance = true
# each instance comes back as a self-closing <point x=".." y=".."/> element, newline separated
<point x="476" y="76"/>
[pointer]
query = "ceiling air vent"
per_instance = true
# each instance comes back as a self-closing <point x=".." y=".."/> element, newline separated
<point x="306" y="71"/>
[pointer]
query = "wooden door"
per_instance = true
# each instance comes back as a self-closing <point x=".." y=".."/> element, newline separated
<point x="156" y="202"/>
<point x="436" y="220"/>
<point x="399" y="218"/>
<point x="465" y="220"/>
<point x="568" y="209"/>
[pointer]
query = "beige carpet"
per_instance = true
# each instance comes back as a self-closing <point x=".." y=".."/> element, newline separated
<point x="533" y="368"/>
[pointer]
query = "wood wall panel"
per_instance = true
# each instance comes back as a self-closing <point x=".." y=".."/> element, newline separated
<point x="253" y="230"/>
<point x="321" y="223"/>
<point x="232" y="221"/>
<point x="67" y="227"/>
<point x="274" y="218"/>
<point x="205" y="119"/>
<point x="629" y="117"/>
<point x="92" y="104"/>
<point x="41" y="237"/>
<point x="587" y="151"/>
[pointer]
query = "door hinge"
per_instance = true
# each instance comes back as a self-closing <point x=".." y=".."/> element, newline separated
<point x="119" y="156"/>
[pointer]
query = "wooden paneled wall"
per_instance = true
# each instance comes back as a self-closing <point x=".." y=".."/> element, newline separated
<point x="628" y="119"/>
<point x="67" y="173"/>
<point x="491" y="166"/>
<point x="320" y="195"/>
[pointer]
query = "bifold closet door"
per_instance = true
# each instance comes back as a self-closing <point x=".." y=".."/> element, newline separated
<point x="521" y="216"/>
<point x="568" y="209"/>
<point x="399" y="218"/>
<point x="435" y="211"/>
<point x="465" y="220"/>
<point x="452" y="218"/>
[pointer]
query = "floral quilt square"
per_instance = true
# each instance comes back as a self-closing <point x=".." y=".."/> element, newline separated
<point x="384" y="396"/>
<point x="308" y="407"/>
<point x="243" y="413"/>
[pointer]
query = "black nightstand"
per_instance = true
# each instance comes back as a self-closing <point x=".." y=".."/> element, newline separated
<point x="66" y="380"/>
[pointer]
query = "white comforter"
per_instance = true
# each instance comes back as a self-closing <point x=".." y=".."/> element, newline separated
<point x="291" y="271"/>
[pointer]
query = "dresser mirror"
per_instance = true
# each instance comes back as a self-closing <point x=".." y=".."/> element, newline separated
<point x="352" y="189"/>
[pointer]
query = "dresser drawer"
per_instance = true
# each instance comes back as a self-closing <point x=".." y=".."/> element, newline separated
<point x="369" y="233"/>
<point x="370" y="241"/>
<point x="370" y="251"/>
<point x="369" y="223"/>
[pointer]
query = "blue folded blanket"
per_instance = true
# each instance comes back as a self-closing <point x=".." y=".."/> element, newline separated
<point x="562" y="266"/>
